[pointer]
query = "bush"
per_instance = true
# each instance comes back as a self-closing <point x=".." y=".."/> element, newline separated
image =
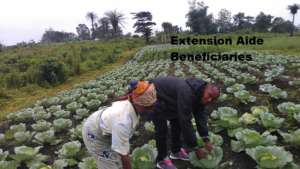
<point x="52" y="72"/>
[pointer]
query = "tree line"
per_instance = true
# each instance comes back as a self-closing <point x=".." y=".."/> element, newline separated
<point x="199" y="21"/>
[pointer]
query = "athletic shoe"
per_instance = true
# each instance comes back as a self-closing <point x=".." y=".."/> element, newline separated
<point x="181" y="155"/>
<point x="165" y="164"/>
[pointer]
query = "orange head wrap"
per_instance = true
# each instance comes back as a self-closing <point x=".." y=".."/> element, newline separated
<point x="144" y="94"/>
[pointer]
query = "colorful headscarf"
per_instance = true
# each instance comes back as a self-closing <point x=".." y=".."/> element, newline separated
<point x="144" y="94"/>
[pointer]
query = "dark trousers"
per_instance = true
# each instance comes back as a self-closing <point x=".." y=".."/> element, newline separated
<point x="161" y="133"/>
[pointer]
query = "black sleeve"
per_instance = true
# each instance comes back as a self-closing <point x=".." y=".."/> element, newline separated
<point x="200" y="115"/>
<point x="184" y="103"/>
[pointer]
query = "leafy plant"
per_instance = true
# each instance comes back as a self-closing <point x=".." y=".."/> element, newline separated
<point x="149" y="126"/>
<point x="235" y="88"/>
<point x="54" y="108"/>
<point x="251" y="138"/>
<point x="297" y="117"/>
<point x="72" y="107"/>
<point x="69" y="150"/>
<point x="244" y="96"/>
<point x="28" y="155"/>
<point x="269" y="121"/>
<point x="41" y="125"/>
<point x="76" y="133"/>
<point x="9" y="134"/>
<point x="61" y="124"/>
<point x="274" y="91"/>
<point x="23" y="137"/>
<point x="275" y="71"/>
<point x="46" y="137"/>
<point x="62" y="114"/>
<point x="291" y="138"/>
<point x="8" y="164"/>
<point x="2" y="138"/>
<point x="88" y="163"/>
<point x="49" y="102"/>
<point x="246" y="78"/>
<point x="81" y="113"/>
<point x="21" y="116"/>
<point x="257" y="110"/>
<point x="214" y="139"/>
<point x="247" y="119"/>
<point x="212" y="160"/>
<point x="143" y="157"/>
<point x="40" y="113"/>
<point x="291" y="109"/>
<point x="3" y="155"/>
<point x="225" y="117"/>
<point x="60" y="164"/>
<point x="229" y="81"/>
<point x="270" y="156"/>
<point x="223" y="97"/>
<point x="93" y="104"/>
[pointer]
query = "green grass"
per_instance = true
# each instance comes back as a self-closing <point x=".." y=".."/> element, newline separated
<point x="20" y="66"/>
<point x="19" y="98"/>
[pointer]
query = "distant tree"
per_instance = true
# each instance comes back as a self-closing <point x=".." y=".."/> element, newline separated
<point x="116" y="20"/>
<point x="92" y="17"/>
<point x="280" y="25"/>
<point x="104" y="29"/>
<point x="1" y="47"/>
<point x="263" y="22"/>
<point x="143" y="24"/>
<point x="239" y="20"/>
<point x="167" y="27"/>
<point x="83" y="32"/>
<point x="198" y="19"/>
<point x="224" y="21"/>
<point x="249" y="19"/>
<point x="176" y="29"/>
<point x="51" y="35"/>
<point x="293" y="10"/>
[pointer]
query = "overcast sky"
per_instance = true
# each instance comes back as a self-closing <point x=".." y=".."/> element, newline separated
<point x="24" y="20"/>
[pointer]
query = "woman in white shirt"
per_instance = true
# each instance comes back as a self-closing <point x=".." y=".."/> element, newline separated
<point x="106" y="132"/>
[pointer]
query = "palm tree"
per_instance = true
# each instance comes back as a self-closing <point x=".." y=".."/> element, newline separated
<point x="92" y="16"/>
<point x="116" y="20"/>
<point x="293" y="9"/>
<point x="104" y="26"/>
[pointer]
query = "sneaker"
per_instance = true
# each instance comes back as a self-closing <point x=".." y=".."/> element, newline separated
<point x="165" y="164"/>
<point x="181" y="155"/>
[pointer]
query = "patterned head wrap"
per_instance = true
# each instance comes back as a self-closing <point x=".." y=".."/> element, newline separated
<point x="144" y="94"/>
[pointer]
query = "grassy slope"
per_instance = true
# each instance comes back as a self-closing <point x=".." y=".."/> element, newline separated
<point x="20" y="99"/>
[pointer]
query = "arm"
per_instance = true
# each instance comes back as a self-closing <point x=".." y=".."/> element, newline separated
<point x="125" y="161"/>
<point x="120" y="142"/>
<point x="200" y="116"/>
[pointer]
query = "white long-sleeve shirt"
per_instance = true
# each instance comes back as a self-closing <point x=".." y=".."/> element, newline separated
<point x="119" y="120"/>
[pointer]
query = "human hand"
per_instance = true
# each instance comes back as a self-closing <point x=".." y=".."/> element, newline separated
<point x="201" y="153"/>
<point x="208" y="146"/>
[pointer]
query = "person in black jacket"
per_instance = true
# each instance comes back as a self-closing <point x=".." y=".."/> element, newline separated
<point x="178" y="100"/>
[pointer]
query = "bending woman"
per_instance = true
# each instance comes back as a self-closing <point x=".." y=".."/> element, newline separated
<point x="106" y="132"/>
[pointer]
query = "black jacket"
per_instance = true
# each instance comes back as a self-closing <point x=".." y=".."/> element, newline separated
<point x="180" y="98"/>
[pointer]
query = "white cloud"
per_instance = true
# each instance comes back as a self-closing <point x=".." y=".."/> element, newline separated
<point x="25" y="20"/>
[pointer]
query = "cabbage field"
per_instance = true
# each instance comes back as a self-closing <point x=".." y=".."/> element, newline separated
<point x="254" y="124"/>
